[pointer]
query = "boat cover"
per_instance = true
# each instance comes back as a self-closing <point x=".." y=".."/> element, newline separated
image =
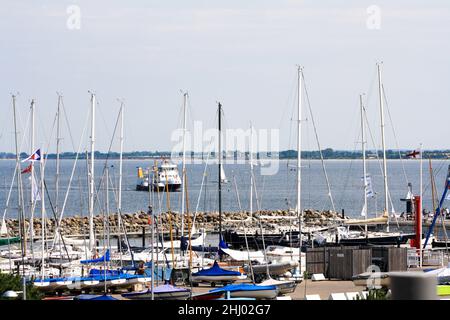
<point x="91" y="278"/>
<point x="11" y="240"/>
<point x="94" y="297"/>
<point x="164" y="288"/>
<point x="106" y="257"/>
<point x="215" y="270"/>
<point x="169" y="288"/>
<point x="243" y="287"/>
<point x="97" y="272"/>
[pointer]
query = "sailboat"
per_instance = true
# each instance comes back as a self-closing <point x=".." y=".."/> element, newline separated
<point x="380" y="238"/>
<point x="4" y="238"/>
<point x="223" y="177"/>
<point x="161" y="292"/>
<point x="216" y="274"/>
<point x="245" y="290"/>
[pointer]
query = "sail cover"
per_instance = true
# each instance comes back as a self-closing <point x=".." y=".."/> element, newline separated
<point x="215" y="270"/>
<point x="105" y="258"/>
<point x="243" y="287"/>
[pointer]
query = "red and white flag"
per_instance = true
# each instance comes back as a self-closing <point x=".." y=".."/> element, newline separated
<point x="36" y="156"/>
<point x="27" y="169"/>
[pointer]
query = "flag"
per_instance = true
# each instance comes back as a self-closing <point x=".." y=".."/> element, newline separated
<point x="413" y="154"/>
<point x="27" y="169"/>
<point x="368" y="184"/>
<point x="35" y="194"/>
<point x="36" y="156"/>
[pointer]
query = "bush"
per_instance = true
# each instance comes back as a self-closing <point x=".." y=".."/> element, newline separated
<point x="14" y="283"/>
<point x="375" y="294"/>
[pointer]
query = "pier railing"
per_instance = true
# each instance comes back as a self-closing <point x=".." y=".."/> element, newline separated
<point x="429" y="258"/>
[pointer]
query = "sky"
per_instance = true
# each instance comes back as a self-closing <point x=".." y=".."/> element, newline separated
<point x="241" y="53"/>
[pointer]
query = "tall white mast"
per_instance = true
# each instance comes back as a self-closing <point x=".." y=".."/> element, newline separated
<point x="19" y="198"/>
<point x="183" y="171"/>
<point x="363" y="146"/>
<point x="299" y="163"/>
<point x="33" y="186"/>
<point x="58" y="139"/>
<point x="251" y="170"/>
<point x="42" y="215"/>
<point x="119" y="202"/>
<point x="91" y="176"/>
<point x="383" y="142"/>
<point x="421" y="201"/>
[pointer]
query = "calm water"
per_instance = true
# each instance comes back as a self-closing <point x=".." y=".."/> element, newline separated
<point x="274" y="192"/>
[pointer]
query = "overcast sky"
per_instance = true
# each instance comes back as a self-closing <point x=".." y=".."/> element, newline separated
<point x="242" y="53"/>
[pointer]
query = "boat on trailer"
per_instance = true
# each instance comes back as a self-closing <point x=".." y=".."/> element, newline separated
<point x="162" y="292"/>
<point x="274" y="268"/>
<point x="283" y="286"/>
<point x="217" y="274"/>
<point x="249" y="291"/>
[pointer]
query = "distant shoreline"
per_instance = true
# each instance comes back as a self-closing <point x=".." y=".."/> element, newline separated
<point x="327" y="154"/>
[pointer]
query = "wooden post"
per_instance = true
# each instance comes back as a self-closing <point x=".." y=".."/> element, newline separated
<point x="143" y="237"/>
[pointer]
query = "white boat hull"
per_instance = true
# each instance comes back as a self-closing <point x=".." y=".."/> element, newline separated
<point x="257" y="294"/>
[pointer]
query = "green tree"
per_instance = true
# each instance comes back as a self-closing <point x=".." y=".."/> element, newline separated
<point x="14" y="282"/>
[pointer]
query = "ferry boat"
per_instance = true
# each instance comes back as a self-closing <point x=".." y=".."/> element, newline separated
<point x="165" y="177"/>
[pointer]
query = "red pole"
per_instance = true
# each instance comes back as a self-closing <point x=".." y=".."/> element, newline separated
<point x="418" y="222"/>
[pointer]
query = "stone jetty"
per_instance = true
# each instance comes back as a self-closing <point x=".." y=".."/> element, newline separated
<point x="134" y="222"/>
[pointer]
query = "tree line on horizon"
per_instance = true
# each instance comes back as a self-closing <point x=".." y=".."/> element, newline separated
<point x="327" y="153"/>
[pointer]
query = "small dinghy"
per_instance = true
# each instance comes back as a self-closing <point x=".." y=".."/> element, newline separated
<point x="275" y="268"/>
<point x="208" y="296"/>
<point x="162" y="292"/>
<point x="442" y="275"/>
<point x="216" y="274"/>
<point x="367" y="278"/>
<point x="249" y="291"/>
<point x="284" y="286"/>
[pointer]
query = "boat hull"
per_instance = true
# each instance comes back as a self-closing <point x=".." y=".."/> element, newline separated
<point x="182" y="295"/>
<point x="171" y="187"/>
<point x="274" y="269"/>
<point x="284" y="287"/>
<point x="257" y="294"/>
<point x="383" y="240"/>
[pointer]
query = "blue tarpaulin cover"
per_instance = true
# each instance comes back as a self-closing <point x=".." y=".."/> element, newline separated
<point x="94" y="297"/>
<point x="215" y="270"/>
<point x="106" y="257"/>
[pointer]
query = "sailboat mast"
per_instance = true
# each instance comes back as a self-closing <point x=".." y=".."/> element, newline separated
<point x="91" y="176"/>
<point x="299" y="162"/>
<point x="219" y="168"/>
<point x="363" y="146"/>
<point x="32" y="200"/>
<point x="251" y="169"/>
<point x="42" y="216"/>
<point x="58" y="140"/>
<point x="383" y="142"/>
<point x="421" y="205"/>
<point x="19" y="198"/>
<point x="119" y="201"/>
<point x="183" y="170"/>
